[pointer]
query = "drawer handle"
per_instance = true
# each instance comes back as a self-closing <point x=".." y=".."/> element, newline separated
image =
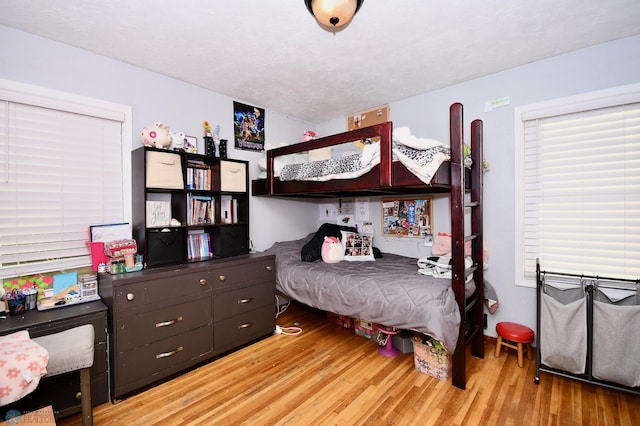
<point x="269" y="267"/>
<point x="203" y="282"/>
<point x="168" y="323"/>
<point x="170" y="353"/>
<point x="247" y="324"/>
<point x="223" y="278"/>
<point x="241" y="301"/>
<point x="131" y="296"/>
<point x="78" y="395"/>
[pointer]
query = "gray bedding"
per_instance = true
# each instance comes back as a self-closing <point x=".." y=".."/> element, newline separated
<point x="388" y="291"/>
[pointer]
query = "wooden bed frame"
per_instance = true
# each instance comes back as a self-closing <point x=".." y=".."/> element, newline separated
<point x="392" y="177"/>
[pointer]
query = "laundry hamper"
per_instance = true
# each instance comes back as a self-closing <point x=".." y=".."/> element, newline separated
<point x="430" y="357"/>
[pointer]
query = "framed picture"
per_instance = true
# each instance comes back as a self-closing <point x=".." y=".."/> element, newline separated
<point x="407" y="217"/>
<point x="191" y="144"/>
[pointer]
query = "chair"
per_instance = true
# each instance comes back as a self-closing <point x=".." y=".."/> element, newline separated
<point x="517" y="333"/>
<point x="72" y="350"/>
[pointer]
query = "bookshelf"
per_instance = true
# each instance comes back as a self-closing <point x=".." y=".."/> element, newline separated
<point x="206" y="197"/>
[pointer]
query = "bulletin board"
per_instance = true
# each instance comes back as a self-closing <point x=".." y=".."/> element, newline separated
<point x="407" y="217"/>
<point x="368" y="118"/>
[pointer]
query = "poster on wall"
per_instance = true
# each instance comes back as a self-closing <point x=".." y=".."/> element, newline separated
<point x="407" y="217"/>
<point x="248" y="127"/>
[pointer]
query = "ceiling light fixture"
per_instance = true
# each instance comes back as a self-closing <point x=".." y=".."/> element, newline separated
<point x="333" y="14"/>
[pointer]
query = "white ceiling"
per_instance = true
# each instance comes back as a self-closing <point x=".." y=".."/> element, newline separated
<point x="273" y="54"/>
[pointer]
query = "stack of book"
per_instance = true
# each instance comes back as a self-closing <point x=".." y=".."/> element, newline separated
<point x="199" y="246"/>
<point x="198" y="176"/>
<point x="199" y="209"/>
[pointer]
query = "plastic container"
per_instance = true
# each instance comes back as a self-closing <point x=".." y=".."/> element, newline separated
<point x="16" y="304"/>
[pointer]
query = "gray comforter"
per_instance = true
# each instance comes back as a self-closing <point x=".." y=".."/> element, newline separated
<point x="387" y="291"/>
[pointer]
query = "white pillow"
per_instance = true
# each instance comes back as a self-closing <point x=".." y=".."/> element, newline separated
<point x="357" y="247"/>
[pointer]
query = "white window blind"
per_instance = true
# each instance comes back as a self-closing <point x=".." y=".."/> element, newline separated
<point x="582" y="192"/>
<point x="61" y="171"/>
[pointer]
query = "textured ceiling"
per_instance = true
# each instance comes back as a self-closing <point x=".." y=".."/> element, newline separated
<point x="272" y="53"/>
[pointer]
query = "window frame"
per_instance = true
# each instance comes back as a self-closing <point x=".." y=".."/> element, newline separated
<point x="16" y="92"/>
<point x="572" y="104"/>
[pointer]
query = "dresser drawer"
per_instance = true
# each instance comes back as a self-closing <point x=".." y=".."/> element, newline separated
<point x="152" y="362"/>
<point x="147" y="327"/>
<point x="245" y="299"/>
<point x="262" y="270"/>
<point x="136" y="295"/>
<point x="244" y="327"/>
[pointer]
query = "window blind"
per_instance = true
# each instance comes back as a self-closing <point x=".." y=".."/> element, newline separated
<point x="61" y="172"/>
<point x="582" y="192"/>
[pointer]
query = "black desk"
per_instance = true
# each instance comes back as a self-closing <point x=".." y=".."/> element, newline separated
<point x="62" y="391"/>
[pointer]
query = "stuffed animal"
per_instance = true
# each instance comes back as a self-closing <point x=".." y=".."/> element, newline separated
<point x="308" y="135"/>
<point x="158" y="135"/>
<point x="332" y="251"/>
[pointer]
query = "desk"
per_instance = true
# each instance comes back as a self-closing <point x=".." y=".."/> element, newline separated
<point x="61" y="391"/>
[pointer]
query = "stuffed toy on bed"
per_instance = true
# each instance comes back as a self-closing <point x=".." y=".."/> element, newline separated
<point x="332" y="250"/>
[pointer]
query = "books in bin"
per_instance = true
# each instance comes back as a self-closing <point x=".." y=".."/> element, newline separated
<point x="199" y="246"/>
<point x="199" y="210"/>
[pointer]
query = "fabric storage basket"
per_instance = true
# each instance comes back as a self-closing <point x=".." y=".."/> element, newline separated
<point x="430" y="359"/>
<point x="165" y="246"/>
<point x="233" y="176"/>
<point x="164" y="170"/>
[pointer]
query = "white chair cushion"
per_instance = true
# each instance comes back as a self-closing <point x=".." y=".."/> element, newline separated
<point x="69" y="350"/>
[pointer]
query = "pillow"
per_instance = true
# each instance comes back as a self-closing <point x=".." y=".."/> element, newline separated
<point x="357" y="247"/>
<point x="312" y="250"/>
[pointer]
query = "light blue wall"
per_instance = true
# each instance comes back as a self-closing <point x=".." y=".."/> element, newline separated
<point x="37" y="61"/>
<point x="607" y="65"/>
<point x="41" y="62"/>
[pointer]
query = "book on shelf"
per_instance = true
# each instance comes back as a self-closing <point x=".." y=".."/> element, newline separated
<point x="198" y="176"/>
<point x="199" y="209"/>
<point x="199" y="246"/>
<point x="228" y="209"/>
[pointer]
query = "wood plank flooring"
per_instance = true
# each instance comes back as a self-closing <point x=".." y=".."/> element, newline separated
<point x="329" y="376"/>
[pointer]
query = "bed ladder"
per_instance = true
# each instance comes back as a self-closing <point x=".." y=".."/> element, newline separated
<point x="462" y="198"/>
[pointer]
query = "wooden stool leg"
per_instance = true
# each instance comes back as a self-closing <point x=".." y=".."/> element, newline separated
<point x="498" y="346"/>
<point x="520" y="356"/>
<point x="85" y="396"/>
<point x="529" y="352"/>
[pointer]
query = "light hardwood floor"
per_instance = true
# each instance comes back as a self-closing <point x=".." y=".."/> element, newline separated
<point x="329" y="376"/>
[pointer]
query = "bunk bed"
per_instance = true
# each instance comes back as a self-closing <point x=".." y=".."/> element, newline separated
<point x="388" y="177"/>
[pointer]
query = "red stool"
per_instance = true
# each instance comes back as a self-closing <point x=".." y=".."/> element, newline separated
<point x="516" y="333"/>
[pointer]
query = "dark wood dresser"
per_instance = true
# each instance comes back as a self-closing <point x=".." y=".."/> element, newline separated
<point x="63" y="391"/>
<point x="166" y="320"/>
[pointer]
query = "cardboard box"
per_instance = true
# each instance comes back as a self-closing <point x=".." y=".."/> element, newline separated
<point x="341" y="320"/>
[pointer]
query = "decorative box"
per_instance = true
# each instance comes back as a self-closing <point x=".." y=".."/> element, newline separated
<point x="430" y="357"/>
